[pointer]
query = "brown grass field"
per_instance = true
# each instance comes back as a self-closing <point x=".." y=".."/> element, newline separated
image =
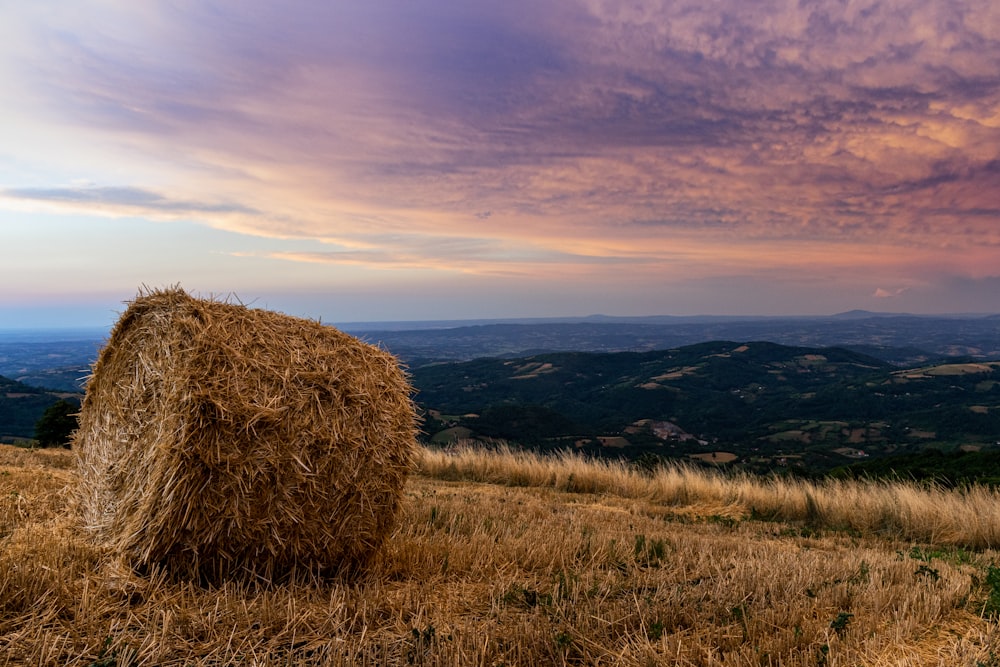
<point x="511" y="559"/>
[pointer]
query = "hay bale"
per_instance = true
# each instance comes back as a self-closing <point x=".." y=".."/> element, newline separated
<point x="215" y="440"/>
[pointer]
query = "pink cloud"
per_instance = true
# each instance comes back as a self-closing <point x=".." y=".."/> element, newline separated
<point x="888" y="294"/>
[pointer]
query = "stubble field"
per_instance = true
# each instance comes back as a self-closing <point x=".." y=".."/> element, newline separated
<point x="507" y="559"/>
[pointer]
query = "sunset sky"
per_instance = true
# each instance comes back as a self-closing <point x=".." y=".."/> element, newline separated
<point x="448" y="159"/>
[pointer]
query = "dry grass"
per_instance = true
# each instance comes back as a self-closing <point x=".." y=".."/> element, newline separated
<point x="550" y="562"/>
<point x="217" y="440"/>
<point x="969" y="518"/>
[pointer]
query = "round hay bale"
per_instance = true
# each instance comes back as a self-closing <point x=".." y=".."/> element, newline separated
<point x="217" y="440"/>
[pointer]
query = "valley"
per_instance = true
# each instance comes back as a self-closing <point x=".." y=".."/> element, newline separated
<point x="808" y="396"/>
<point x="758" y="405"/>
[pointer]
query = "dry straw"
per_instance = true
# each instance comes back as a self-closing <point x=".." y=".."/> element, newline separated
<point x="217" y="440"/>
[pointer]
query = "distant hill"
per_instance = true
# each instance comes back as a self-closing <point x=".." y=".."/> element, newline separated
<point x="866" y="314"/>
<point x="61" y="359"/>
<point x="22" y="405"/>
<point x="951" y="469"/>
<point x="57" y="359"/>
<point x="903" y="340"/>
<point x="766" y="403"/>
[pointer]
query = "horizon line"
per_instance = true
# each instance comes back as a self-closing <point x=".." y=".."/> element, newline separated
<point x="597" y="318"/>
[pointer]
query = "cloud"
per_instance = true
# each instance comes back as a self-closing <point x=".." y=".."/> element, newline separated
<point x="128" y="200"/>
<point x="678" y="136"/>
<point x="584" y="106"/>
<point x="888" y="294"/>
<point x="459" y="255"/>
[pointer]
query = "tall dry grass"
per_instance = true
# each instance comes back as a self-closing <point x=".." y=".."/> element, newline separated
<point x="967" y="518"/>
<point x="547" y="572"/>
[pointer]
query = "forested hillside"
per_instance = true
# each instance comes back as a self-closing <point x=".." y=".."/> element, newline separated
<point x="21" y="406"/>
<point x="764" y="404"/>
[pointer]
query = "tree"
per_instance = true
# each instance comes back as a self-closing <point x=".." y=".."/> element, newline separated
<point x="57" y="424"/>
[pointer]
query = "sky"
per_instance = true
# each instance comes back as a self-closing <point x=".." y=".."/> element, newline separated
<point x="447" y="159"/>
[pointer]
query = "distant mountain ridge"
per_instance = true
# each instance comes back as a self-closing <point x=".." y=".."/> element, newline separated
<point x="898" y="338"/>
<point x="864" y="314"/>
<point x="598" y="318"/>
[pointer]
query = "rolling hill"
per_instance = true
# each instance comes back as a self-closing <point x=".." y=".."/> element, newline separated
<point x="769" y="404"/>
<point x="21" y="406"/>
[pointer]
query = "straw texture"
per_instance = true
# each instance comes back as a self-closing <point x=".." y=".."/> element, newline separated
<point x="217" y="440"/>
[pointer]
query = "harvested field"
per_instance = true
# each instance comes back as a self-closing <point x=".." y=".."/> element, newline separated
<point x="715" y="457"/>
<point x="488" y="573"/>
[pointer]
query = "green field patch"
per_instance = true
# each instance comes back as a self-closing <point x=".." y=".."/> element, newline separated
<point x="856" y="436"/>
<point x="794" y="435"/>
<point x="450" y="435"/>
<point x="947" y="370"/>
<point x="676" y="373"/>
<point x="532" y="370"/>
<point x="851" y="452"/>
<point x="811" y="360"/>
<point x="824" y="430"/>
<point x="715" y="457"/>
<point x="831" y="426"/>
<point x="963" y="369"/>
<point x="809" y="431"/>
